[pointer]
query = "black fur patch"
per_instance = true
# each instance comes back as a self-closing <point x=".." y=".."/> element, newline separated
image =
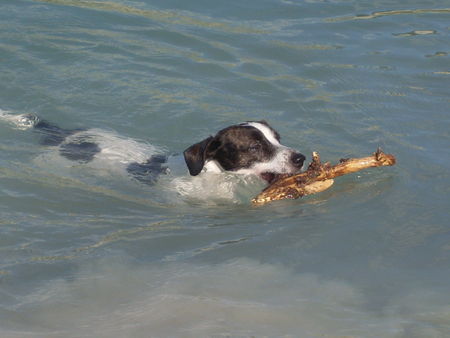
<point x="79" y="151"/>
<point x="148" y="172"/>
<point x="52" y="135"/>
<point x="240" y="147"/>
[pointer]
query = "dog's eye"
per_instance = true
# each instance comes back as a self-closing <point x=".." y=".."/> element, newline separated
<point x="254" y="147"/>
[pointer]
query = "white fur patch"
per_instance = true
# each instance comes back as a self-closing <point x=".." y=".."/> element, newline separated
<point x="280" y="163"/>
<point x="114" y="148"/>
<point x="267" y="132"/>
<point x="212" y="167"/>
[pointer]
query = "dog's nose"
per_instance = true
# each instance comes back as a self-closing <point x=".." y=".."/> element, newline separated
<point x="297" y="159"/>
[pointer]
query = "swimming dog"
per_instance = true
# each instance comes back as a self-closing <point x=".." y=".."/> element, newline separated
<point x="249" y="148"/>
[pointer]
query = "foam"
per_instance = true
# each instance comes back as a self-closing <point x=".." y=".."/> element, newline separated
<point x="19" y="121"/>
<point x="213" y="188"/>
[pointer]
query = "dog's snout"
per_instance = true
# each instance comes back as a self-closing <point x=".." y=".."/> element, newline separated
<point x="297" y="159"/>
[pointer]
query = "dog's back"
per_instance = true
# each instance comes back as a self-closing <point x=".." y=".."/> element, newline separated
<point x="94" y="147"/>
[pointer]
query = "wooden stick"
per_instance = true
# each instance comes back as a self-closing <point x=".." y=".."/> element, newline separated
<point x="319" y="177"/>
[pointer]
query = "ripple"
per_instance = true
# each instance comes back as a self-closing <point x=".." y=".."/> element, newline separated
<point x="375" y="15"/>
<point x="437" y="54"/>
<point x="165" y="16"/>
<point x="302" y="47"/>
<point x="37" y="177"/>
<point x="416" y="32"/>
<point x="129" y="234"/>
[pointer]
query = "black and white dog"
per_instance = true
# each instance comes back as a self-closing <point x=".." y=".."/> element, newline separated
<point x="250" y="148"/>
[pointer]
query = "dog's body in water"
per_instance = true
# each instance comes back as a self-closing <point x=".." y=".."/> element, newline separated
<point x="250" y="148"/>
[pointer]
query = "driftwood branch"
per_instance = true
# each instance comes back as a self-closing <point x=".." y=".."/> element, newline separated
<point x="319" y="177"/>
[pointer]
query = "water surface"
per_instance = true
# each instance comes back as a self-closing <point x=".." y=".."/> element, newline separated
<point x="86" y="252"/>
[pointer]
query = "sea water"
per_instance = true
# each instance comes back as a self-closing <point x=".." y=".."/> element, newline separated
<point x="88" y="251"/>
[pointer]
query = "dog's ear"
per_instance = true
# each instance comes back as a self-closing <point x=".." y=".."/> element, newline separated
<point x="195" y="156"/>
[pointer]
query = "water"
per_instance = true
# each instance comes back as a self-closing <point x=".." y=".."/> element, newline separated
<point x="88" y="252"/>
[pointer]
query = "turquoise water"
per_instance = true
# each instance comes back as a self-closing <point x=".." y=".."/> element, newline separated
<point x="88" y="252"/>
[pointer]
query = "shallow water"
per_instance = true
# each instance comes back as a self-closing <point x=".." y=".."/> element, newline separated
<point x="87" y="251"/>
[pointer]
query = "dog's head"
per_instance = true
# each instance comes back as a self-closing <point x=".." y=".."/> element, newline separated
<point x="247" y="148"/>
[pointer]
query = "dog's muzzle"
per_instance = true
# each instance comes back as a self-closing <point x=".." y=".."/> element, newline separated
<point x="296" y="161"/>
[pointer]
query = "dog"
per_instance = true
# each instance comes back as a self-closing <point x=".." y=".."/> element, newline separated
<point x="249" y="148"/>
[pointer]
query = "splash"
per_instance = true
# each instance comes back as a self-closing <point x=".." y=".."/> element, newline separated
<point x="19" y="121"/>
